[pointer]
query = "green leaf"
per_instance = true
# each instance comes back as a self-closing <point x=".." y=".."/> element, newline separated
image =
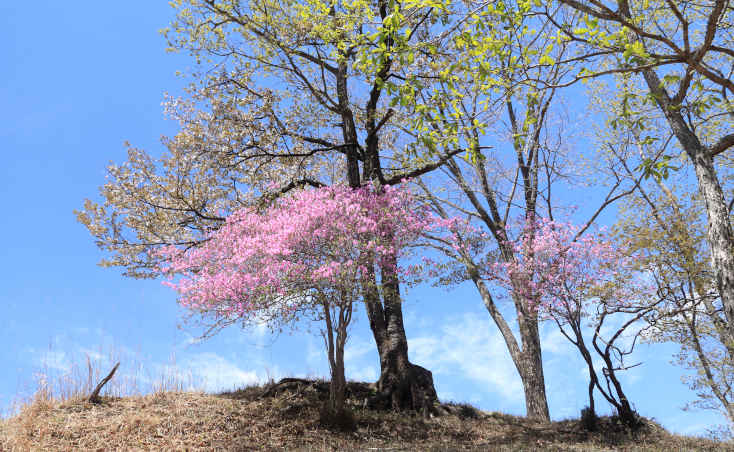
<point x="545" y="59"/>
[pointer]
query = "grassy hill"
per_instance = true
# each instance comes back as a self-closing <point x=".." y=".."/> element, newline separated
<point x="286" y="416"/>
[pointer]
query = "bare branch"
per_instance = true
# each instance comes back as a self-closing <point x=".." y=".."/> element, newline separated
<point x="94" y="396"/>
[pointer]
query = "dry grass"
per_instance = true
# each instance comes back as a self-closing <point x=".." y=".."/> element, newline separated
<point x="75" y="379"/>
<point x="288" y="420"/>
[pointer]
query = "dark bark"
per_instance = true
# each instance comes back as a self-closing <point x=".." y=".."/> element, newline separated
<point x="617" y="397"/>
<point x="94" y="396"/>
<point x="571" y="317"/>
<point x="408" y="386"/>
<point x="402" y="385"/>
<point x="335" y="351"/>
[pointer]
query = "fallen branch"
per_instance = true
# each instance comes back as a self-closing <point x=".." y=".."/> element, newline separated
<point x="94" y="397"/>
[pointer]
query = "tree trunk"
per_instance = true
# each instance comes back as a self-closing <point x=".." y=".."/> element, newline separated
<point x="405" y="384"/>
<point x="338" y="386"/>
<point x="528" y="360"/>
<point x="720" y="236"/>
<point x="402" y="385"/>
<point x="335" y="350"/>
<point x="624" y="410"/>
<point x="530" y="367"/>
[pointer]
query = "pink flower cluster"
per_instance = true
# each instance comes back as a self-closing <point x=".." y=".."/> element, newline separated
<point x="315" y="241"/>
<point x="552" y="270"/>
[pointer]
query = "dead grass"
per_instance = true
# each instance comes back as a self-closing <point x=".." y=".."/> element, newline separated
<point x="286" y="418"/>
<point x="75" y="379"/>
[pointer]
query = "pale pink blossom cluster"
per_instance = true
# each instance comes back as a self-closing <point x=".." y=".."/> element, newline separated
<point x="554" y="269"/>
<point x="315" y="241"/>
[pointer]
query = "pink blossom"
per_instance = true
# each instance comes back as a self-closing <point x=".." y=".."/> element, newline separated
<point x="551" y="268"/>
<point x="317" y="240"/>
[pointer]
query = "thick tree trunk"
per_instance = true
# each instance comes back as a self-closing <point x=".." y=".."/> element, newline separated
<point x="407" y="385"/>
<point x="402" y="385"/>
<point x="720" y="236"/>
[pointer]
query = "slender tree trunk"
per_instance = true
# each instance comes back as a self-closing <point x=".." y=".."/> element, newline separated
<point x="338" y="322"/>
<point x="592" y="408"/>
<point x="528" y="360"/>
<point x="338" y="380"/>
<point x="531" y="370"/>
<point x="719" y="392"/>
<point x="581" y="345"/>
<point x="331" y="354"/>
<point x="720" y="236"/>
<point x="616" y="398"/>
<point x="624" y="409"/>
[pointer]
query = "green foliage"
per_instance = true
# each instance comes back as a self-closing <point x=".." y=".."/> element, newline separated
<point x="659" y="169"/>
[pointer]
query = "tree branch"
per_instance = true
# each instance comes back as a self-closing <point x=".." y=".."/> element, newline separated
<point x="722" y="145"/>
<point x="423" y="169"/>
<point x="94" y="396"/>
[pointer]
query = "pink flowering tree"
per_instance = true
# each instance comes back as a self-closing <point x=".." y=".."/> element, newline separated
<point x="552" y="264"/>
<point x="567" y="277"/>
<point x="308" y="254"/>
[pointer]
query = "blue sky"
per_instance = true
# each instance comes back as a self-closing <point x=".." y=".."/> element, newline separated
<point x="78" y="80"/>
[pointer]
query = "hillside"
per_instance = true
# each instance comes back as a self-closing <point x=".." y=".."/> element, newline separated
<point x="286" y="417"/>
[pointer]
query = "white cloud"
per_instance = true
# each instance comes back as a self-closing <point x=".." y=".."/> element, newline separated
<point x="359" y="359"/>
<point x="55" y="360"/>
<point x="208" y="371"/>
<point x="93" y="355"/>
<point x="358" y="364"/>
<point x="316" y="357"/>
<point x="367" y="373"/>
<point x="357" y="349"/>
<point x="217" y="373"/>
<point x="469" y="346"/>
<point x="260" y="330"/>
<point x="448" y="396"/>
<point x="553" y="341"/>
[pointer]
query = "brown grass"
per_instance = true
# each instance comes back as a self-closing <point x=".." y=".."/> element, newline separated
<point x="289" y="420"/>
<point x="52" y="384"/>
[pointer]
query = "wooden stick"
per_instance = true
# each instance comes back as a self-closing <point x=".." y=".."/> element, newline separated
<point x="94" y="397"/>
